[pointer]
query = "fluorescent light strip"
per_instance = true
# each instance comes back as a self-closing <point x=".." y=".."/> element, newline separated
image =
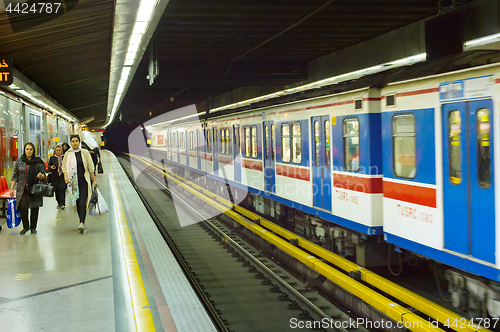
<point x="173" y="120"/>
<point x="328" y="81"/>
<point x="483" y="40"/>
<point x="143" y="18"/>
<point x="145" y="12"/>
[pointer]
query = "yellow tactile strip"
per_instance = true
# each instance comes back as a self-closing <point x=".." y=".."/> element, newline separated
<point x="380" y="302"/>
<point x="142" y="315"/>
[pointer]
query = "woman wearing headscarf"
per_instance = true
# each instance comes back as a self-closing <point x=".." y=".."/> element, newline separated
<point x="57" y="176"/>
<point x="26" y="171"/>
<point x="78" y="169"/>
<point x="65" y="147"/>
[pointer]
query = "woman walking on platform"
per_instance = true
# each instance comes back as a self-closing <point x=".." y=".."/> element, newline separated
<point x="78" y="169"/>
<point x="57" y="176"/>
<point x="26" y="170"/>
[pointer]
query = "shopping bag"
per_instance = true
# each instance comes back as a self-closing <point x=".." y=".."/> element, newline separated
<point x="13" y="216"/>
<point x="100" y="170"/>
<point x="100" y="207"/>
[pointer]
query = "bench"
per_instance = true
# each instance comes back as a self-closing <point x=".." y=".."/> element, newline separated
<point x="4" y="195"/>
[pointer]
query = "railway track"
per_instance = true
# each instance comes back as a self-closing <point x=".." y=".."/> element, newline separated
<point x="406" y="309"/>
<point x="242" y="289"/>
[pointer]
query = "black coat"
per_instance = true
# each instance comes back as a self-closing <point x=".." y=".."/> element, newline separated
<point x="54" y="178"/>
<point x="20" y="175"/>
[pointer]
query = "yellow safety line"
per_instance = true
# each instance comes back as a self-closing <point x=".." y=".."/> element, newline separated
<point x="380" y="302"/>
<point x="142" y="316"/>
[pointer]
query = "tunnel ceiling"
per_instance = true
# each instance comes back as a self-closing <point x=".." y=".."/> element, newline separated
<point x="204" y="48"/>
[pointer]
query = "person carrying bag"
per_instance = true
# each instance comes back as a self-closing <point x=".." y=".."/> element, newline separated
<point x="57" y="176"/>
<point x="78" y="170"/>
<point x="27" y="170"/>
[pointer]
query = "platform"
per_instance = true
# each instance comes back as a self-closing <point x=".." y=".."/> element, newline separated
<point x="117" y="276"/>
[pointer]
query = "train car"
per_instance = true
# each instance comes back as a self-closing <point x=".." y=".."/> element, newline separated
<point x="440" y="153"/>
<point x="413" y="159"/>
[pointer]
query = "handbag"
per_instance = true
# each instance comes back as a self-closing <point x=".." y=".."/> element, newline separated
<point x="13" y="215"/>
<point x="93" y="198"/>
<point x="100" y="207"/>
<point x="100" y="170"/>
<point x="42" y="189"/>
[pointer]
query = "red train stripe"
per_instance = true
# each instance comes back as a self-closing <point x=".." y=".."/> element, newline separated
<point x="206" y="156"/>
<point x="293" y="172"/>
<point x="417" y="92"/>
<point x="191" y="154"/>
<point x="183" y="153"/>
<point x="410" y="193"/>
<point x="356" y="183"/>
<point x="226" y="160"/>
<point x="252" y="164"/>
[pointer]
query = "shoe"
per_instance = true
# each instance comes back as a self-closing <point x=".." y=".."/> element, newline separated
<point x="81" y="228"/>
<point x="33" y="231"/>
<point x="58" y="207"/>
<point x="24" y="231"/>
<point x="62" y="207"/>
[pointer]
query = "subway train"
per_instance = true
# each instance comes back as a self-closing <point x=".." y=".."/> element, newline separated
<point x="21" y="122"/>
<point x="395" y="165"/>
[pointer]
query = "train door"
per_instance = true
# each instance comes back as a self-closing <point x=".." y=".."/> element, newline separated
<point x="269" y="163"/>
<point x="322" y="178"/>
<point x="215" y="149"/>
<point x="169" y="143"/>
<point x="468" y="179"/>
<point x="175" y="146"/>
<point x="198" y="145"/>
<point x="237" y="153"/>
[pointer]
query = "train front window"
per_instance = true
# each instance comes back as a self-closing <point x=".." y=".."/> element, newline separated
<point x="296" y="143"/>
<point x="404" y="147"/>
<point x="483" y="148"/>
<point x="455" y="146"/>
<point x="285" y="143"/>
<point x="351" y="144"/>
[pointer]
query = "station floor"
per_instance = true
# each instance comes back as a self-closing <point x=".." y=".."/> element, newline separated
<point x="117" y="276"/>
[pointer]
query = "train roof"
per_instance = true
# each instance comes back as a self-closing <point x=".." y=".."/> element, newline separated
<point x="442" y="65"/>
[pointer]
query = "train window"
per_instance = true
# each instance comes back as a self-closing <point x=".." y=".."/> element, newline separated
<point x="192" y="145"/>
<point x="174" y="140"/>
<point x="228" y="150"/>
<point x="222" y="148"/>
<point x="483" y="148"/>
<point x="455" y="146"/>
<point x="296" y="143"/>
<point x="285" y="143"/>
<point x="248" y="143"/>
<point x="207" y="137"/>
<point x="182" y="141"/>
<point x="403" y="136"/>
<point x="351" y="144"/>
<point x="316" y="143"/>
<point x="254" y="142"/>
<point x="272" y="139"/>
<point x="327" y="143"/>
